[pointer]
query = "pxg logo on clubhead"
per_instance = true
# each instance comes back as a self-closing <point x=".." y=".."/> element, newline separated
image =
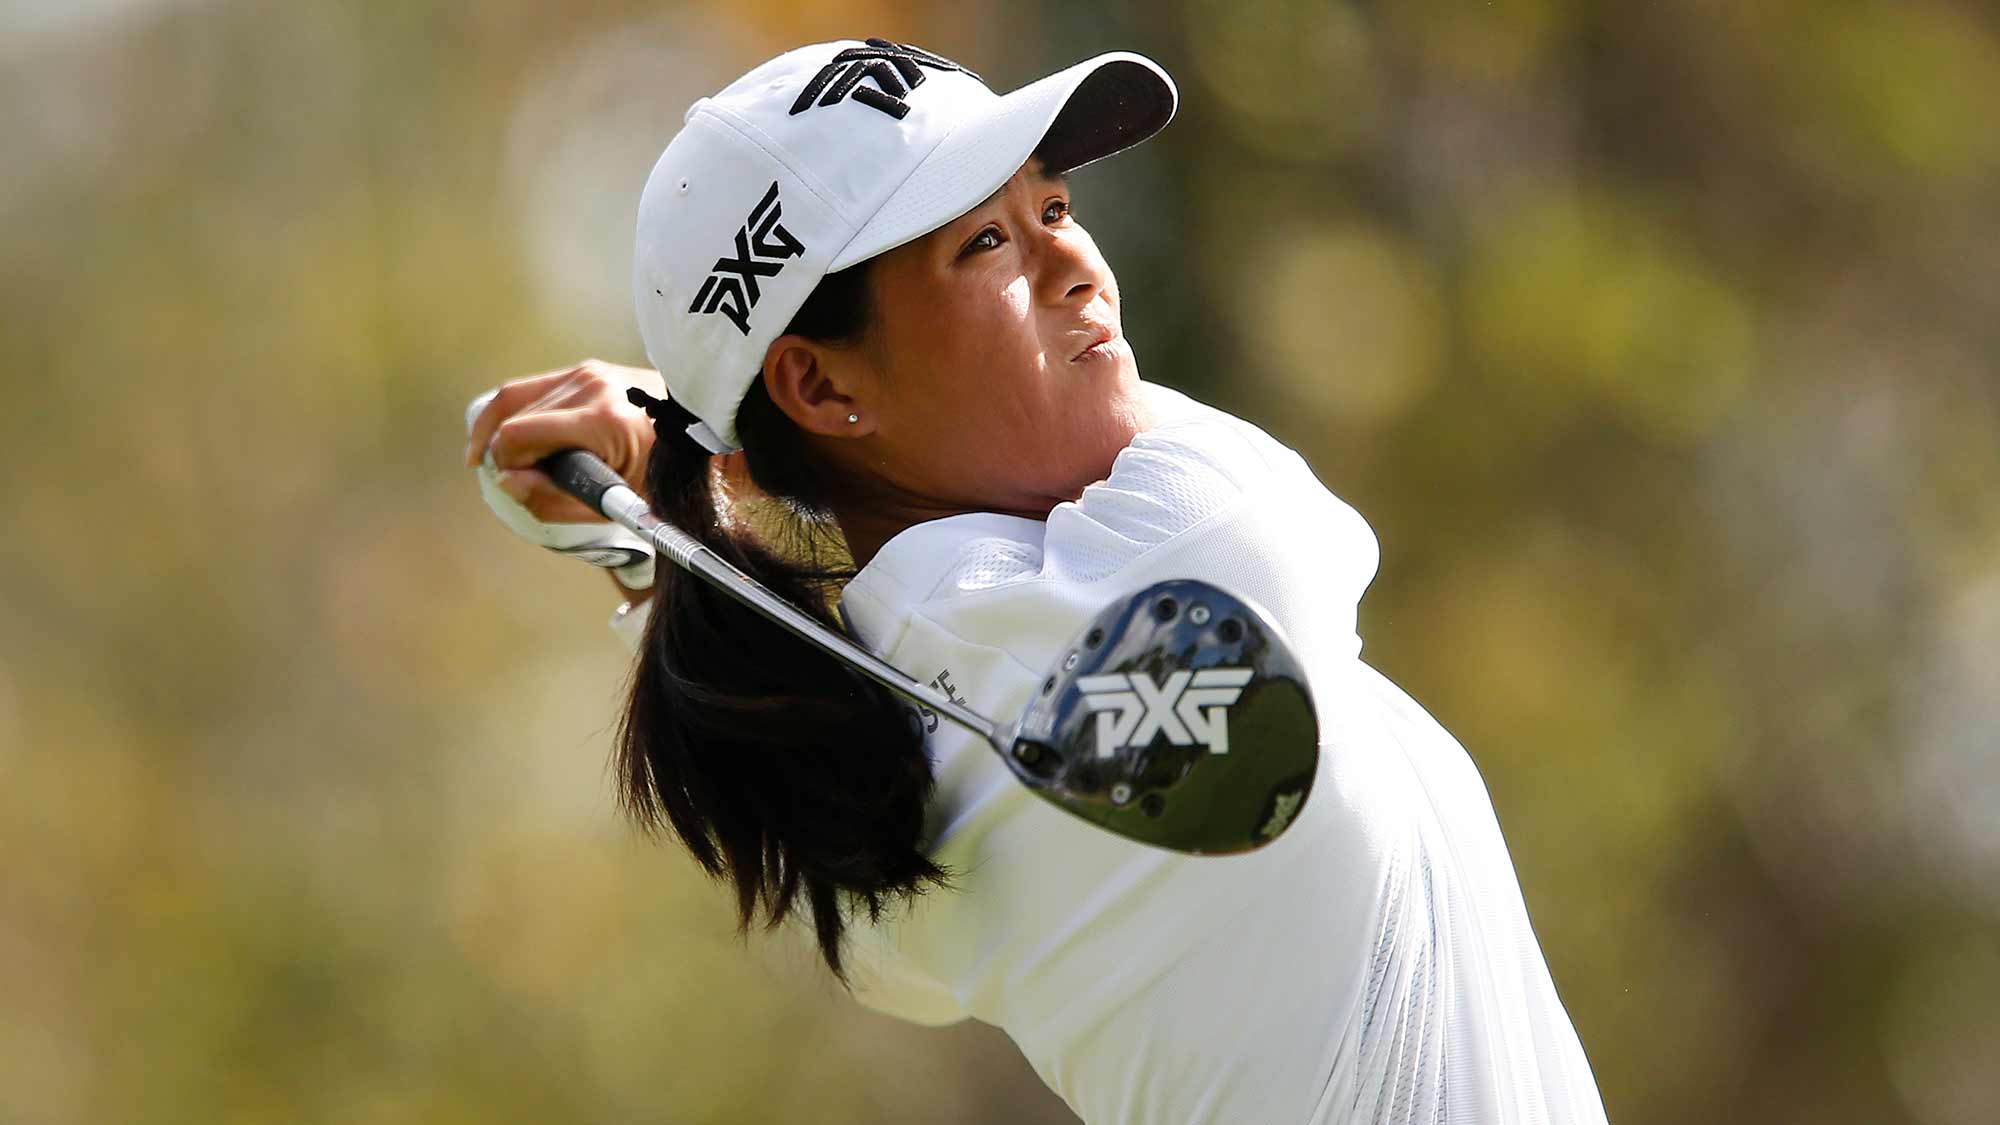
<point x="1178" y="716"/>
<point x="1190" y="707"/>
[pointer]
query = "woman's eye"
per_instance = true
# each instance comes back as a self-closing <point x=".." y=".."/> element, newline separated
<point x="1059" y="206"/>
<point x="975" y="243"/>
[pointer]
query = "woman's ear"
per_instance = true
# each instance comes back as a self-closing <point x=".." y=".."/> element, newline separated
<point x="815" y="384"/>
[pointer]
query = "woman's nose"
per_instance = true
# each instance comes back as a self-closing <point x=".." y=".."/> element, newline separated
<point x="1071" y="270"/>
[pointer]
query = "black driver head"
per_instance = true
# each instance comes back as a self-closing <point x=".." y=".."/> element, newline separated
<point x="1177" y="717"/>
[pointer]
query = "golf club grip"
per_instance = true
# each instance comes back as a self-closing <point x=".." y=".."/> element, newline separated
<point x="581" y="474"/>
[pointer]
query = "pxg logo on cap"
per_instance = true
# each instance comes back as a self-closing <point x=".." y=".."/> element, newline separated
<point x="897" y="69"/>
<point x="762" y="243"/>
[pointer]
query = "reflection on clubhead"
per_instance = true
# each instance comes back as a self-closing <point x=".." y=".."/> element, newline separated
<point x="1177" y="717"/>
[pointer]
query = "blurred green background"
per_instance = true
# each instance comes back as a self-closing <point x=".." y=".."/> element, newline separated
<point x="1656" y="341"/>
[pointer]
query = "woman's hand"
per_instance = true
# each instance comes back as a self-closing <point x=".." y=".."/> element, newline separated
<point x="579" y="407"/>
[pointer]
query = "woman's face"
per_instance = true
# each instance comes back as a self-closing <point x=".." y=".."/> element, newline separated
<point x="978" y="386"/>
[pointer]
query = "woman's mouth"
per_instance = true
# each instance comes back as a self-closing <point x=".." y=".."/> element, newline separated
<point x="1103" y="349"/>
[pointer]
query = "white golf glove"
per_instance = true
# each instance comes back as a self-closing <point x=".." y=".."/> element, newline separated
<point x="628" y="557"/>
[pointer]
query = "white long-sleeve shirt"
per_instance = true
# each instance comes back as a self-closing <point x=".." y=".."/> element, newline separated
<point x="1373" y="964"/>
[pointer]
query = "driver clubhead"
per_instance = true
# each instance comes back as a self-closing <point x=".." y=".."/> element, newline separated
<point x="1177" y="717"/>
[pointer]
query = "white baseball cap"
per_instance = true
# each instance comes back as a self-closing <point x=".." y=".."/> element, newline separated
<point x="825" y="156"/>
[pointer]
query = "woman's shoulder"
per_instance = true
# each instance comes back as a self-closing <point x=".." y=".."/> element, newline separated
<point x="1184" y="423"/>
<point x="1194" y="461"/>
<point x="1190" y="438"/>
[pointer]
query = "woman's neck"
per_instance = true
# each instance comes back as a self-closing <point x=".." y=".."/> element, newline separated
<point x="867" y="527"/>
<point x="876" y="517"/>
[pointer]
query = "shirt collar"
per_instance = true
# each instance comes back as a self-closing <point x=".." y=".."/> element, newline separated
<point x="906" y="570"/>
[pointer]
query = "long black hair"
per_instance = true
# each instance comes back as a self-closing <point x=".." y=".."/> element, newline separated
<point x="782" y="771"/>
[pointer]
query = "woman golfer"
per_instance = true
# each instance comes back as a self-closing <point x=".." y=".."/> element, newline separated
<point x="859" y="278"/>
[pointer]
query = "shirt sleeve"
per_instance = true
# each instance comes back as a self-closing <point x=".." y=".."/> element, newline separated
<point x="1192" y="465"/>
<point x="1187" y="468"/>
<point x="1201" y="494"/>
<point x="880" y="978"/>
<point x="883" y="980"/>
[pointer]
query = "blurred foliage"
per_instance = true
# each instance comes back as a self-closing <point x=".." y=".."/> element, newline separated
<point x="1657" y="342"/>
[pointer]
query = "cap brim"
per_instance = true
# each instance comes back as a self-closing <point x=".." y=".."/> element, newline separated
<point x="1077" y="115"/>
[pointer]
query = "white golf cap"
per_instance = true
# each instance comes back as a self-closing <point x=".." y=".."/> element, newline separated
<point x="830" y="154"/>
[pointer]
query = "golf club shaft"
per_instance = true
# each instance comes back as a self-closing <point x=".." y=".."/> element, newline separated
<point x="584" y="476"/>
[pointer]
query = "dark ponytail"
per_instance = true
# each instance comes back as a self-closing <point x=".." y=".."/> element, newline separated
<point x="782" y="771"/>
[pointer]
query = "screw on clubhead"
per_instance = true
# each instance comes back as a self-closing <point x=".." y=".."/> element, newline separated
<point x="1121" y="793"/>
<point x="1039" y="760"/>
<point x="1198" y="614"/>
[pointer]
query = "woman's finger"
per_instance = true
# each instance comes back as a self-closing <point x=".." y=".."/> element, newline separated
<point x="526" y="438"/>
<point x="533" y="490"/>
<point x="533" y="434"/>
<point x="513" y="396"/>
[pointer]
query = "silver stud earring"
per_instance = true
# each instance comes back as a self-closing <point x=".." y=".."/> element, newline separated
<point x="854" y="417"/>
